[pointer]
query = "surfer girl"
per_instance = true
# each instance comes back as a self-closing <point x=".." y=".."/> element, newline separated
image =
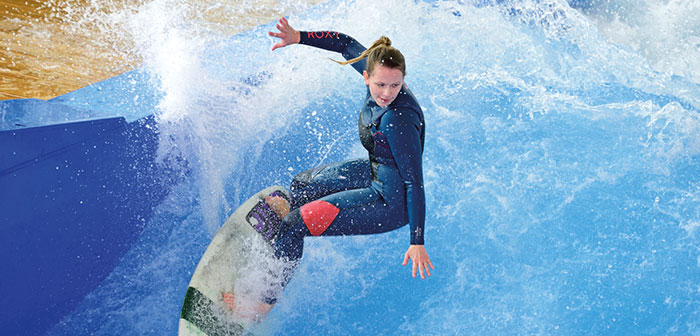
<point x="365" y="196"/>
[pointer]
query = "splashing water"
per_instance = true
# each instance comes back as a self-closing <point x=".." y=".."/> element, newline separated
<point x="560" y="163"/>
<point x="666" y="33"/>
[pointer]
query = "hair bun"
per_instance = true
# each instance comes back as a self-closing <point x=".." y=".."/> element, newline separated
<point x="385" y="40"/>
<point x="380" y="51"/>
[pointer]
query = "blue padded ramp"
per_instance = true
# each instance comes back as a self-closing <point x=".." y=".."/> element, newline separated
<point x="73" y="199"/>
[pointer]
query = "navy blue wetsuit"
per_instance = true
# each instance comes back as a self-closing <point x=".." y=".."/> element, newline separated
<point x="363" y="196"/>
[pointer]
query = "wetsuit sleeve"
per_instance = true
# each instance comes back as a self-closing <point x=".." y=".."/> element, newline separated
<point x="338" y="42"/>
<point x="403" y="128"/>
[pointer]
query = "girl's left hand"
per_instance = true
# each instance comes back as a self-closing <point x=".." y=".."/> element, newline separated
<point x="287" y="34"/>
<point x="421" y="261"/>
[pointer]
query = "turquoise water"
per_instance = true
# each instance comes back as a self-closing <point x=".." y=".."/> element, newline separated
<point x="561" y="165"/>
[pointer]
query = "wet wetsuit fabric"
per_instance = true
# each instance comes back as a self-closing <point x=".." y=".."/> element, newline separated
<point x="363" y="196"/>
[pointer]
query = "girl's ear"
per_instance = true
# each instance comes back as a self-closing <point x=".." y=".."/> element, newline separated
<point x="366" y="76"/>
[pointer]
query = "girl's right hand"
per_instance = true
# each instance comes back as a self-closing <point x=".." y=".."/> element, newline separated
<point x="421" y="261"/>
<point x="287" y="34"/>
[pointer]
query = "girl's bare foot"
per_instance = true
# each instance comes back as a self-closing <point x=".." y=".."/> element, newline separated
<point x="278" y="204"/>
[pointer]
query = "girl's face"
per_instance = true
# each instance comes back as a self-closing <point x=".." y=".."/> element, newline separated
<point x="384" y="84"/>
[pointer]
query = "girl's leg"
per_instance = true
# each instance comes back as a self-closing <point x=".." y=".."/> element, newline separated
<point x="351" y="212"/>
<point x="315" y="183"/>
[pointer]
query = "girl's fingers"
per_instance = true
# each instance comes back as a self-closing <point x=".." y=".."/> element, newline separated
<point x="283" y="23"/>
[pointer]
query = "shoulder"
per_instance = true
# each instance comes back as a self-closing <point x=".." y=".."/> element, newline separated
<point x="406" y="103"/>
<point x="402" y="119"/>
<point x="405" y="108"/>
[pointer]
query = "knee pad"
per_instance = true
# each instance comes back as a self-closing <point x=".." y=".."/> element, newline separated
<point x="318" y="216"/>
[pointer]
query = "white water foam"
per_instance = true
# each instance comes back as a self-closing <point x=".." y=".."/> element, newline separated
<point x="666" y="32"/>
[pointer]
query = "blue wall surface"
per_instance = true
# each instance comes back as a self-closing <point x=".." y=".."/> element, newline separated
<point x="73" y="198"/>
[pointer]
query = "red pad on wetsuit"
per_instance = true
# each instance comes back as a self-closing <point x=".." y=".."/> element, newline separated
<point x="318" y="216"/>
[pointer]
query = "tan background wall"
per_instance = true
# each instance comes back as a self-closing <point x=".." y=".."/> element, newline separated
<point x="43" y="54"/>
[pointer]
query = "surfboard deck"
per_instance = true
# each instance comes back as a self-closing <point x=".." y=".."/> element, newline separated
<point x="229" y="265"/>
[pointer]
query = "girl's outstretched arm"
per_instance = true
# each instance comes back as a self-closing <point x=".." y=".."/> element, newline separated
<point x="327" y="40"/>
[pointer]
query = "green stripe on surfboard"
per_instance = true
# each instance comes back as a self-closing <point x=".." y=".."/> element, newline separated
<point x="199" y="310"/>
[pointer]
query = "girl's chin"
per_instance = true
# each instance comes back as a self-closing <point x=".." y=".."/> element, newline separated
<point x="382" y="102"/>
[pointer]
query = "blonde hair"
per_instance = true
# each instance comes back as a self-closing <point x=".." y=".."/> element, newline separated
<point x="380" y="52"/>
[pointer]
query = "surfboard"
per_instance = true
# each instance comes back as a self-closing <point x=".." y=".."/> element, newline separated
<point x="234" y="266"/>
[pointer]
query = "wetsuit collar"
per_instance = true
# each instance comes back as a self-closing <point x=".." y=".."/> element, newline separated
<point x="370" y="102"/>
